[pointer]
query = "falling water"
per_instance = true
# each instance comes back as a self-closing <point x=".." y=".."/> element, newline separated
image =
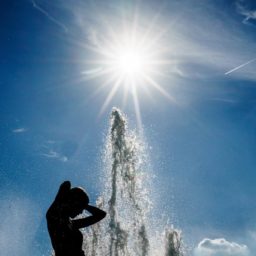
<point x="127" y="231"/>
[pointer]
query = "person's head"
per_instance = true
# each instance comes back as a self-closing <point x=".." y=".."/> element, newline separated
<point x="77" y="201"/>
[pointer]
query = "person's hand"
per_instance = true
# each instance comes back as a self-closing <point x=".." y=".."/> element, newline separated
<point x="65" y="185"/>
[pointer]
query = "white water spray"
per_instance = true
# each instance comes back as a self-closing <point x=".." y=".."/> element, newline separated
<point x="127" y="230"/>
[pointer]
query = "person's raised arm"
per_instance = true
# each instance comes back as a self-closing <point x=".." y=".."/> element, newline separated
<point x="97" y="215"/>
<point x="63" y="190"/>
<point x="61" y="194"/>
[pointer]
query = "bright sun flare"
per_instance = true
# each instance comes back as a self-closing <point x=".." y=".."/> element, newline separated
<point x="131" y="61"/>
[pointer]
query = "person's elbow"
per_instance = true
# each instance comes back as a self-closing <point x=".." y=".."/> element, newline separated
<point x="102" y="215"/>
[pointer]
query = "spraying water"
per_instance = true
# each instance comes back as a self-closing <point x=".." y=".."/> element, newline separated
<point x="127" y="230"/>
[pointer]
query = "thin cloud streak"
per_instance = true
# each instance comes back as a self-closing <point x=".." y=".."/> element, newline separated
<point x="55" y="155"/>
<point x="51" y="18"/>
<point x="19" y="130"/>
<point x="240" y="66"/>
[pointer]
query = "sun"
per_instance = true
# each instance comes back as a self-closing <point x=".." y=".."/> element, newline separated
<point x="130" y="60"/>
<point x="127" y="58"/>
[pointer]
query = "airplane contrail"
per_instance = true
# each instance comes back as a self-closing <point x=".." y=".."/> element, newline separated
<point x="240" y="66"/>
<point x="36" y="6"/>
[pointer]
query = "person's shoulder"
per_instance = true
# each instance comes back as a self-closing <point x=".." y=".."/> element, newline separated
<point x="54" y="215"/>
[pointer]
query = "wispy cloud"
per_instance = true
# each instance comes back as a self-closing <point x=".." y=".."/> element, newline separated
<point x="220" y="247"/>
<point x="250" y="14"/>
<point x="59" y="150"/>
<point x="55" y="155"/>
<point x="19" y="130"/>
<point x="195" y="50"/>
<point x="204" y="52"/>
<point x="50" y="17"/>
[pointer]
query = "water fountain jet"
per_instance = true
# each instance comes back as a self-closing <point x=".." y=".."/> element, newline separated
<point x="127" y="230"/>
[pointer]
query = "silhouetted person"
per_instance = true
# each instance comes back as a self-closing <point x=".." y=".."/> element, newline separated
<point x="64" y="231"/>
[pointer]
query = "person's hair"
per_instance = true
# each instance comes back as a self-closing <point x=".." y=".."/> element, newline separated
<point x="79" y="195"/>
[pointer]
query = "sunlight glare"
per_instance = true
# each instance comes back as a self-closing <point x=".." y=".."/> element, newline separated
<point x="130" y="62"/>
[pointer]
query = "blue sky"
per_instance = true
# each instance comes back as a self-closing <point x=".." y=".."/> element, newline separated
<point x="202" y="142"/>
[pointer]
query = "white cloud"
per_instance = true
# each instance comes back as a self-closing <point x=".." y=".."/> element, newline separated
<point x="245" y="11"/>
<point x="19" y="130"/>
<point x="19" y="222"/>
<point x="57" y="150"/>
<point x="56" y="155"/>
<point x="220" y="247"/>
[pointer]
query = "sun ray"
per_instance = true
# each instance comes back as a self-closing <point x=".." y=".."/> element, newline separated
<point x="134" y="25"/>
<point x="132" y="55"/>
<point x="110" y="96"/>
<point x="100" y="88"/>
<point x="89" y="74"/>
<point x="159" y="88"/>
<point x="136" y="107"/>
<point x="146" y="90"/>
<point x="125" y="96"/>
<point x="150" y="29"/>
